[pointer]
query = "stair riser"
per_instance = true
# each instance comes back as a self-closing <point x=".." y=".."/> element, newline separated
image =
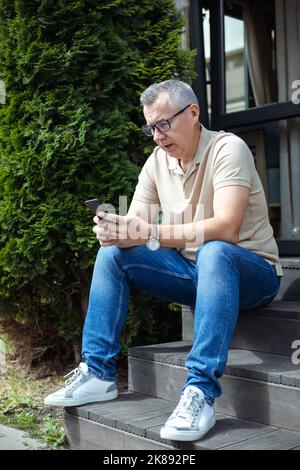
<point x="89" y="435"/>
<point x="265" y="403"/>
<point x="289" y="286"/>
<point x="271" y="335"/>
<point x="257" y="333"/>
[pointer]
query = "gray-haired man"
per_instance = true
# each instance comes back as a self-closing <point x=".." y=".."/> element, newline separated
<point x="214" y="250"/>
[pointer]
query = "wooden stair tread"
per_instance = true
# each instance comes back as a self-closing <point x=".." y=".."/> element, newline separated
<point x="137" y="416"/>
<point x="260" y="366"/>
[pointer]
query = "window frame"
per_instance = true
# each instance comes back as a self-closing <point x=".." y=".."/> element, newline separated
<point x="219" y="118"/>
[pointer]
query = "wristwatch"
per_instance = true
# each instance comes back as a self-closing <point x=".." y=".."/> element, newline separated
<point x="153" y="242"/>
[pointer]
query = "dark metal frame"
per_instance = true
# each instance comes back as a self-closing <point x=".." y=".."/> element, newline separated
<point x="217" y="44"/>
<point x="238" y="121"/>
<point x="197" y="42"/>
<point x="258" y="115"/>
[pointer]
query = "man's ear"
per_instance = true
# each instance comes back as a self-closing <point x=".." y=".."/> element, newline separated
<point x="195" y="111"/>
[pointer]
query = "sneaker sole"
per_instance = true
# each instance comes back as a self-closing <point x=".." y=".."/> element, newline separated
<point x="173" y="434"/>
<point x="65" y="402"/>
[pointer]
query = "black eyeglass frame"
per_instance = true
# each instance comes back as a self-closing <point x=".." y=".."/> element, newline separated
<point x="150" y="129"/>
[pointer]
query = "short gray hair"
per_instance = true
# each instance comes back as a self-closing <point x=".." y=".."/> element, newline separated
<point x="180" y="93"/>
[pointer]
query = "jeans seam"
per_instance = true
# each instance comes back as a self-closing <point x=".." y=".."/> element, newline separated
<point x="149" y="268"/>
<point x="116" y="320"/>
<point x="229" y="308"/>
<point x="266" y="298"/>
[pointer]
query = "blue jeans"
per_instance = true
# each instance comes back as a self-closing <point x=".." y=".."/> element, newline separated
<point x="224" y="279"/>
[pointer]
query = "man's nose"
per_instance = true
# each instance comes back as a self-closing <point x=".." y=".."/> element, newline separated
<point x="158" y="136"/>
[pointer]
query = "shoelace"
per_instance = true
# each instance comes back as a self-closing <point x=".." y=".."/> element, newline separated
<point x="188" y="407"/>
<point x="75" y="379"/>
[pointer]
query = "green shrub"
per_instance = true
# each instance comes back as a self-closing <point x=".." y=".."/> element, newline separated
<point x="69" y="132"/>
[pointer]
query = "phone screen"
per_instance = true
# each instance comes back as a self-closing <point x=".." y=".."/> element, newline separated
<point x="92" y="204"/>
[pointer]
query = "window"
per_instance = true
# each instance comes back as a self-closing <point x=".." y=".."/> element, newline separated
<point x="253" y="87"/>
<point x="235" y="64"/>
<point x="250" y="68"/>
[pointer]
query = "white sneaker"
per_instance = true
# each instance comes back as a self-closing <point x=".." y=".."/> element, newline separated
<point x="82" y="388"/>
<point x="192" y="418"/>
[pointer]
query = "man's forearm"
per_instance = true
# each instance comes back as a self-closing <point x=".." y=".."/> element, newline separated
<point x="127" y="231"/>
<point x="195" y="233"/>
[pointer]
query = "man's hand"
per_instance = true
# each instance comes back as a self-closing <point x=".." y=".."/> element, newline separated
<point x="122" y="231"/>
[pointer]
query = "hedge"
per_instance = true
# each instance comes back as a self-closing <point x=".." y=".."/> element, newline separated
<point x="70" y="131"/>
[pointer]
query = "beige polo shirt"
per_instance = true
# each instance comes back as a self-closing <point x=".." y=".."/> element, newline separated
<point x="221" y="159"/>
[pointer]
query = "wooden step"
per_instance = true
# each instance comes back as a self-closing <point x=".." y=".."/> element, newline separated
<point x="271" y="329"/>
<point x="133" y="422"/>
<point x="256" y="386"/>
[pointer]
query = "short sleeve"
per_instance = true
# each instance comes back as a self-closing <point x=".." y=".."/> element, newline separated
<point x="233" y="164"/>
<point x="146" y="189"/>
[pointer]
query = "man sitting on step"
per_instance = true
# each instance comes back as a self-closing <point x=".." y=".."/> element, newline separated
<point x="214" y="250"/>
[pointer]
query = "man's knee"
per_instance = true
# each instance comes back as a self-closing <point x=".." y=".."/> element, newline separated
<point x="119" y="255"/>
<point x="107" y="252"/>
<point x="212" y="252"/>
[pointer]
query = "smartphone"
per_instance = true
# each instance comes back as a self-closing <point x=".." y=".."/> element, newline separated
<point x="93" y="204"/>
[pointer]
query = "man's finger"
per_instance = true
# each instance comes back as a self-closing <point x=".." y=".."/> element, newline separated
<point x="113" y="218"/>
<point x="104" y="233"/>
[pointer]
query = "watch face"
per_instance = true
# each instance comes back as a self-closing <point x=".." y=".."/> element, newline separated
<point x="153" y="244"/>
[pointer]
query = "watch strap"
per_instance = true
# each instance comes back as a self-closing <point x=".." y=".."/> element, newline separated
<point x="154" y="231"/>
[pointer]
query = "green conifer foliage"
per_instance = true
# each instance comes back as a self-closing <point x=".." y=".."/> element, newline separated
<point x="69" y="131"/>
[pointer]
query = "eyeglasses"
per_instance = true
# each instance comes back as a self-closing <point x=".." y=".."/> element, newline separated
<point x="162" y="126"/>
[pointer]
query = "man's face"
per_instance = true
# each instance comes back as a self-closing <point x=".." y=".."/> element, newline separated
<point x="179" y="141"/>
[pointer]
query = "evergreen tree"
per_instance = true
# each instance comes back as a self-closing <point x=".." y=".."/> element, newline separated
<point x="69" y="131"/>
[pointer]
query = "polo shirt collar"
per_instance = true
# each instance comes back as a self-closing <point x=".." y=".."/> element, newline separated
<point x="205" y="137"/>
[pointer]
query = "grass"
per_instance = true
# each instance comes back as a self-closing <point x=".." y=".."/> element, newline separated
<point x="22" y="407"/>
<point x="22" y="404"/>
